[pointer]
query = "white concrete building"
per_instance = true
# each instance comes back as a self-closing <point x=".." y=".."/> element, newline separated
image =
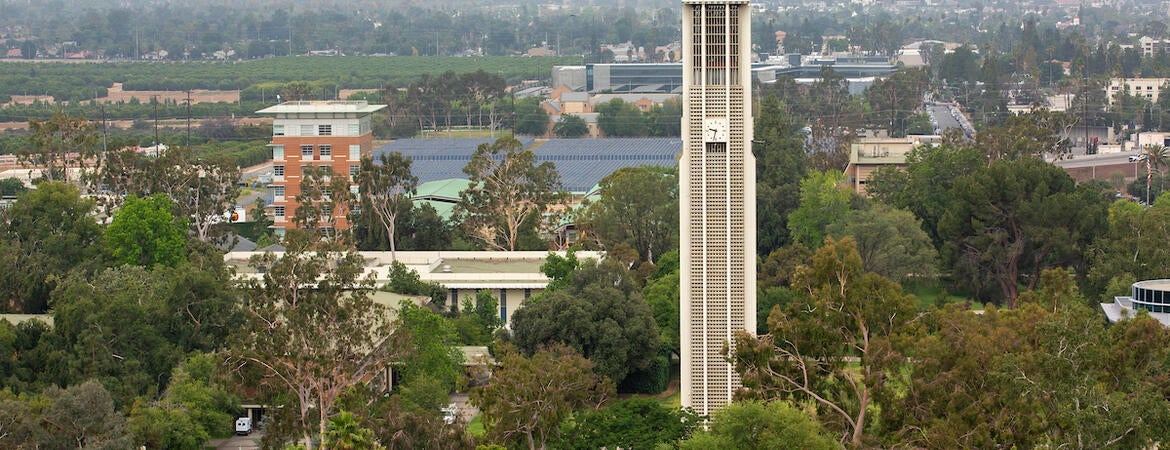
<point x="511" y="277"/>
<point x="1147" y="88"/>
<point x="718" y="198"/>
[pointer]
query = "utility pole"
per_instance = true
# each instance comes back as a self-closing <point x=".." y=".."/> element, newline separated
<point x="188" y="118"/>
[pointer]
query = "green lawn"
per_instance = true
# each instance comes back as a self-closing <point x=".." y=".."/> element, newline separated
<point x="932" y="293"/>
<point x="475" y="427"/>
<point x="674" y="400"/>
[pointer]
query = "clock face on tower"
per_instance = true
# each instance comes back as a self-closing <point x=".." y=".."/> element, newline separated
<point x="714" y="130"/>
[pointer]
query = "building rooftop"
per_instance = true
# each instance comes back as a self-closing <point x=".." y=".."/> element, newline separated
<point x="1161" y="285"/>
<point x="319" y="107"/>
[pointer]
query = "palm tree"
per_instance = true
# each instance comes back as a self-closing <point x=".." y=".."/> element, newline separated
<point x="1156" y="158"/>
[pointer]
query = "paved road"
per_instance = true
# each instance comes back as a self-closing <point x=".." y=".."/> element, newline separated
<point x="239" y="442"/>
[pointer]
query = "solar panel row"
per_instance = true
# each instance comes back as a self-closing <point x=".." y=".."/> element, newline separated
<point x="581" y="163"/>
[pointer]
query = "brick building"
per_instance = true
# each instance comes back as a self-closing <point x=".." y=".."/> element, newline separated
<point x="333" y="134"/>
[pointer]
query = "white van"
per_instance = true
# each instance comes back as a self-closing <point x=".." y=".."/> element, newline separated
<point x="244" y="426"/>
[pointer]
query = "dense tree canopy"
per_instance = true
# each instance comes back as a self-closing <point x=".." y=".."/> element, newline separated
<point x="1011" y="220"/>
<point x="599" y="312"/>
<point x="781" y="164"/>
<point x="924" y="187"/>
<point x="753" y="425"/>
<point x="823" y="204"/>
<point x="46" y="233"/>
<point x="529" y="397"/>
<point x="631" y="423"/>
<point x="1047" y="373"/>
<point x="831" y="346"/>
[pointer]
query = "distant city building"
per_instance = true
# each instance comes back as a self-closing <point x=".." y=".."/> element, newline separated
<point x="625" y="52"/>
<point x="332" y="134"/>
<point x="1147" y="88"/>
<point x="572" y="77"/>
<point x="717" y="198"/>
<point x="859" y="72"/>
<point x="1151" y="46"/>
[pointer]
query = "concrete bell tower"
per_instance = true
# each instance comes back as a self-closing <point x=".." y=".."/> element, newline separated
<point x="718" y="197"/>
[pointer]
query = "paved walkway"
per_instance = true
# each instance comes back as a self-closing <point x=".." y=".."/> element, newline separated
<point x="251" y="441"/>
<point x="467" y="411"/>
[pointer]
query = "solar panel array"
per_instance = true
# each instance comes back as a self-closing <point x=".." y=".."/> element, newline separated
<point x="582" y="163"/>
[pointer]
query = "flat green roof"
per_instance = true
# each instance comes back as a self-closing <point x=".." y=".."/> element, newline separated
<point x="447" y="188"/>
<point x="490" y="266"/>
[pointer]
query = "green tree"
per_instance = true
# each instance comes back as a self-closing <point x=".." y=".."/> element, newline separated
<point x="346" y="433"/>
<point x="315" y="344"/>
<point x="112" y="328"/>
<point x="1013" y="219"/>
<point x="662" y="296"/>
<point x="638" y="207"/>
<point x="145" y="233"/>
<point x="617" y="118"/>
<point x="478" y="320"/>
<point x="425" y="230"/>
<point x="570" y="126"/>
<point x="431" y="354"/>
<point x="82" y="416"/>
<point x="528" y="398"/>
<point x="823" y="202"/>
<point x="924" y="186"/>
<point x="636" y="422"/>
<point x="559" y="268"/>
<point x="165" y="426"/>
<point x="895" y="98"/>
<point x="403" y="280"/>
<point x="891" y="242"/>
<point x="46" y="233"/>
<point x="10" y="187"/>
<point x="600" y="313"/>
<point x="385" y="188"/>
<point x="666" y="118"/>
<point x="831" y="346"/>
<point x="781" y="164"/>
<point x="197" y="391"/>
<point x="530" y="118"/>
<point x="52" y="141"/>
<point x="754" y="425"/>
<point x="1134" y="247"/>
<point x="508" y="190"/>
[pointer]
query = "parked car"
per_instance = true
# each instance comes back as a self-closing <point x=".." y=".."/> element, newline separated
<point x="1136" y="158"/>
